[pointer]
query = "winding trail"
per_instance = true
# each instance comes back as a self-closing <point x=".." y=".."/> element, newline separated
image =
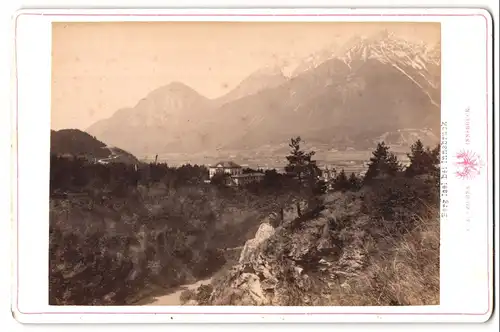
<point x="175" y="297"/>
<point x="172" y="297"/>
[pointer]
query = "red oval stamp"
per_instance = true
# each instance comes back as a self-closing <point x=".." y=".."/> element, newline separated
<point x="468" y="164"/>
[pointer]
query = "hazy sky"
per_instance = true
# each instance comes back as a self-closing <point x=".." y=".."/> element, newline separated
<point x="99" y="68"/>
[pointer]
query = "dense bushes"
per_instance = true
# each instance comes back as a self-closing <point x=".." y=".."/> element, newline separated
<point x="110" y="252"/>
<point x="82" y="268"/>
<point x="77" y="174"/>
<point x="342" y="183"/>
<point x="399" y="197"/>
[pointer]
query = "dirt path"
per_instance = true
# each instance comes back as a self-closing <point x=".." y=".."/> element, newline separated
<point x="174" y="298"/>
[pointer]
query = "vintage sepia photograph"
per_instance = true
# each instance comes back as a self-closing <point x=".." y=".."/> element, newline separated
<point x="245" y="164"/>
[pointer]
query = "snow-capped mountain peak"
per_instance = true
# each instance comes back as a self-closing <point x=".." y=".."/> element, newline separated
<point x="386" y="47"/>
<point x="419" y="61"/>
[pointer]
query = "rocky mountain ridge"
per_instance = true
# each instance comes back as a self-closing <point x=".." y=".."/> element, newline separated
<point x="355" y="93"/>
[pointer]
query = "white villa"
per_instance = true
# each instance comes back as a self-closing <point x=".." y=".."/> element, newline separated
<point x="225" y="167"/>
<point x="235" y="172"/>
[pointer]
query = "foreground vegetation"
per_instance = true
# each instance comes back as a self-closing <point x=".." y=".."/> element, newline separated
<point x="343" y="256"/>
<point x="132" y="228"/>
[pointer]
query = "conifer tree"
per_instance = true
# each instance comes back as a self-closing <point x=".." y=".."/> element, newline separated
<point x="305" y="170"/>
<point x="382" y="163"/>
<point x="422" y="160"/>
<point x="300" y="163"/>
<point x="354" y="182"/>
<point x="341" y="182"/>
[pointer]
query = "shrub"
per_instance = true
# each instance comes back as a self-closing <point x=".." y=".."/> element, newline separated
<point x="399" y="200"/>
<point x="187" y="296"/>
<point x="203" y="294"/>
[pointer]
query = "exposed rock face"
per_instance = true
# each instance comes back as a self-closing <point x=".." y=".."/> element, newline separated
<point x="263" y="233"/>
<point x="296" y="265"/>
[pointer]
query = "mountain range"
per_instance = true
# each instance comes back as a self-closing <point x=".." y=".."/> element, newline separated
<point x="347" y="96"/>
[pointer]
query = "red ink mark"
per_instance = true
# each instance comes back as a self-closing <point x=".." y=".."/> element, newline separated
<point x="469" y="165"/>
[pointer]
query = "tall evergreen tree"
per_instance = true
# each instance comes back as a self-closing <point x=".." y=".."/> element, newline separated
<point x="354" y="182"/>
<point x="300" y="163"/>
<point x="422" y="160"/>
<point x="305" y="170"/>
<point x="341" y="182"/>
<point x="382" y="163"/>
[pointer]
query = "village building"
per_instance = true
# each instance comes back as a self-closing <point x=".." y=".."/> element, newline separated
<point x="328" y="174"/>
<point x="225" y="167"/>
<point x="235" y="174"/>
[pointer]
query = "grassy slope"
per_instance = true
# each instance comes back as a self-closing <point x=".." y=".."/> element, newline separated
<point x="399" y="269"/>
<point x="376" y="248"/>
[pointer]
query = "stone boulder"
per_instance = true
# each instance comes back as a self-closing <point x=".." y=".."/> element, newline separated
<point x="264" y="232"/>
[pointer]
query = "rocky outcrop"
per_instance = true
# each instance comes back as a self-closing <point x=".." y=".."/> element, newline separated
<point x="263" y="233"/>
<point x="298" y="262"/>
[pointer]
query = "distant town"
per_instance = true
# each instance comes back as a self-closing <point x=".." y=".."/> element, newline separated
<point x="328" y="168"/>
